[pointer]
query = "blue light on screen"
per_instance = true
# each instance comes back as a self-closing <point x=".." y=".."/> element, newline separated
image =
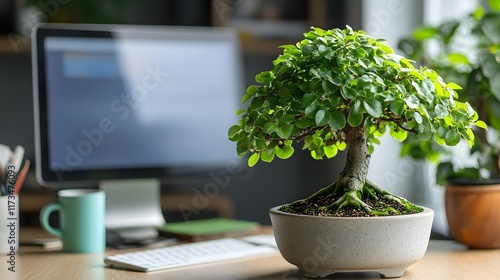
<point x="84" y="65"/>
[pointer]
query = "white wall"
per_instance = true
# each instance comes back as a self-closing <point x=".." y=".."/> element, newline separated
<point x="392" y="20"/>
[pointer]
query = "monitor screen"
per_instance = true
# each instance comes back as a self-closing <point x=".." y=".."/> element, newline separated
<point x="117" y="102"/>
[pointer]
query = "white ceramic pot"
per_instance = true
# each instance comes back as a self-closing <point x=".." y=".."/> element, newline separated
<point x="320" y="246"/>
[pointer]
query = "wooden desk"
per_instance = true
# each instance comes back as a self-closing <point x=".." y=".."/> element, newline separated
<point x="444" y="260"/>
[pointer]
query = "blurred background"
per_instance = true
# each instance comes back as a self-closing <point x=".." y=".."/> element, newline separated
<point x="263" y="26"/>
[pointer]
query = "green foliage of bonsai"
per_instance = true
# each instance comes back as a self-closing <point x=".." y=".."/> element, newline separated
<point x="342" y="89"/>
<point x="476" y="68"/>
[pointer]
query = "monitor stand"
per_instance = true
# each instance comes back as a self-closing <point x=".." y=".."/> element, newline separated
<point x="133" y="209"/>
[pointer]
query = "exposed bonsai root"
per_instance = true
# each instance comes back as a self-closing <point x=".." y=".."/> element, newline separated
<point x="350" y="199"/>
<point x="370" y="200"/>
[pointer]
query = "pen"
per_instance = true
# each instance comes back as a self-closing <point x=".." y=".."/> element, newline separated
<point x="17" y="157"/>
<point x="5" y="155"/>
<point x="21" y="177"/>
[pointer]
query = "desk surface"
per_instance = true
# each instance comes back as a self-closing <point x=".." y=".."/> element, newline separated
<point x="443" y="260"/>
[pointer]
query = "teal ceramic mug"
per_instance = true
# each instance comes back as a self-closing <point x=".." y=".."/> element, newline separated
<point x="82" y="220"/>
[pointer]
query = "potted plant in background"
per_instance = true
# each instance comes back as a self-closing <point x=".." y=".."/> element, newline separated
<point x="342" y="89"/>
<point x="468" y="52"/>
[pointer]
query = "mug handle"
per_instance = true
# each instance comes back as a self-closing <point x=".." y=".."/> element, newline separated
<point x="44" y="218"/>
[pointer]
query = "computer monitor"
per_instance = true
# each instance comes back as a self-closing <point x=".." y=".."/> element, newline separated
<point x="115" y="104"/>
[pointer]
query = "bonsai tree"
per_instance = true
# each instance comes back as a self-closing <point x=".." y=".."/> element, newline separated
<point x="476" y="69"/>
<point x="342" y="89"/>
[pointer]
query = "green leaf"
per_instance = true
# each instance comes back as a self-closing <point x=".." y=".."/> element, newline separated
<point x="327" y="86"/>
<point x="270" y="127"/>
<point x="356" y="110"/>
<point x="336" y="81"/>
<point x="317" y="154"/>
<point x="260" y="144"/>
<point x="330" y="151"/>
<point x="243" y="145"/>
<point x="490" y="24"/>
<point x="246" y="97"/>
<point x="385" y="48"/>
<point x="373" y="107"/>
<point x="349" y="93"/>
<point x="311" y="109"/>
<point x="251" y="90"/>
<point x="322" y="117"/>
<point x="307" y="100"/>
<point x="494" y="5"/>
<point x="284" y="130"/>
<point x="458" y="58"/>
<point x="253" y="159"/>
<point x="308" y="49"/>
<point x="356" y="106"/>
<point x="392" y="63"/>
<point x="452" y="137"/>
<point x="431" y="74"/>
<point x="424" y="33"/>
<point x="233" y="130"/>
<point x="453" y="86"/>
<point x="256" y="103"/>
<point x="440" y="111"/>
<point x="481" y="124"/>
<point x="303" y="123"/>
<point x="283" y="92"/>
<point x="401" y="88"/>
<point x="267" y="156"/>
<point x="284" y="152"/>
<point x="412" y="101"/>
<point x="495" y="85"/>
<point x="397" y="107"/>
<point x="478" y="13"/>
<point x="424" y="136"/>
<point x="264" y="77"/>
<point x="337" y="120"/>
<point x="354" y="119"/>
<point x="407" y="63"/>
<point x="342" y="146"/>
<point x="489" y="64"/>
<point x="439" y="89"/>
<point x="417" y="74"/>
<point x="360" y="53"/>
<point x="399" y="134"/>
<point x="418" y="117"/>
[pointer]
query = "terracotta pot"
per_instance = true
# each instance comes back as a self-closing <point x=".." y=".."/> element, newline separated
<point x="473" y="213"/>
<point x="320" y="246"/>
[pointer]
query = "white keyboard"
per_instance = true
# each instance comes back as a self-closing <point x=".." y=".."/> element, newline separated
<point x="188" y="254"/>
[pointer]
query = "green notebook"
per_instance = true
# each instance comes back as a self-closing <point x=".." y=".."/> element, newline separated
<point x="208" y="229"/>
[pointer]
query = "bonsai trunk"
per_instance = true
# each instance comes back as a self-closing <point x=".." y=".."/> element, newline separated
<point x="353" y="177"/>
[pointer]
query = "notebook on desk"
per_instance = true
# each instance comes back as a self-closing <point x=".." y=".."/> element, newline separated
<point x="208" y="229"/>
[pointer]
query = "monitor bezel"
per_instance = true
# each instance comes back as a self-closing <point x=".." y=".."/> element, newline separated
<point x="44" y="174"/>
